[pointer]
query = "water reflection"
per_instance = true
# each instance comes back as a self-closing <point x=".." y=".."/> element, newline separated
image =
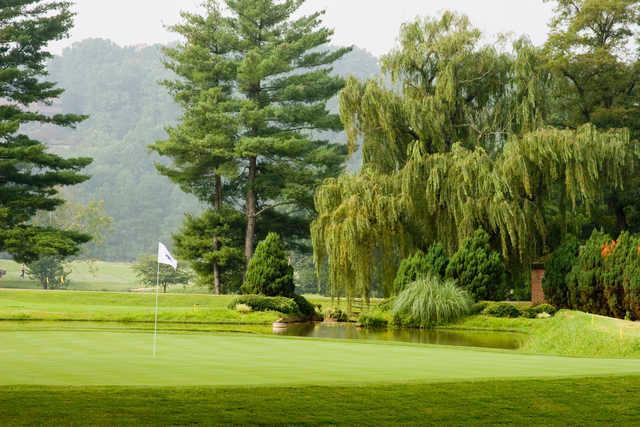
<point x="504" y="340"/>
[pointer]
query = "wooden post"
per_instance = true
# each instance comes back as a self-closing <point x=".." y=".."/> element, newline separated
<point x="537" y="293"/>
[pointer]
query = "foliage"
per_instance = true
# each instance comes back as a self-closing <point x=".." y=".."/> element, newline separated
<point x="90" y="218"/>
<point x="533" y="312"/>
<point x="430" y="302"/>
<point x="30" y="175"/>
<point x="554" y="282"/>
<point x="147" y="269"/>
<point x="243" y="308"/>
<point x="253" y="79"/>
<point x="478" y="269"/>
<point x="502" y="309"/>
<point x="617" y="255"/>
<point x="50" y="271"/>
<point x="372" y="320"/>
<point x="419" y="265"/>
<point x="118" y="87"/>
<point x="304" y="306"/>
<point x="595" y="80"/>
<point x="336" y="315"/>
<point x="212" y="243"/>
<point x="387" y="304"/>
<point x="262" y="303"/>
<point x="459" y="142"/>
<point x="269" y="272"/>
<point x="478" y="307"/>
<point x="585" y="281"/>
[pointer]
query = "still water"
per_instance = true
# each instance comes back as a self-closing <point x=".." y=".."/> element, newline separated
<point x="504" y="340"/>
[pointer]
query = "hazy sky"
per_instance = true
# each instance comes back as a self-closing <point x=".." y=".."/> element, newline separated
<point x="370" y="24"/>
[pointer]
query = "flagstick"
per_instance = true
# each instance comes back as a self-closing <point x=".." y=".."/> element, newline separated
<point x="155" y="327"/>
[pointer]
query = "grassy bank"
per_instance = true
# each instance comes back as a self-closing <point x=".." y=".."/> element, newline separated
<point x="601" y="401"/>
<point x="122" y="307"/>
<point x="568" y="333"/>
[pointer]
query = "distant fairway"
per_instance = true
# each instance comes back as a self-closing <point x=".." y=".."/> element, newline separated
<point x="71" y="357"/>
<point x="107" y="276"/>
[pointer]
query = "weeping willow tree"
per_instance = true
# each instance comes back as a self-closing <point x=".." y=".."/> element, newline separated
<point x="457" y="141"/>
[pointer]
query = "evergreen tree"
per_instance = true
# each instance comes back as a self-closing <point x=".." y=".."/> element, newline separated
<point x="29" y="174"/>
<point x="478" y="269"/>
<point x="194" y="243"/>
<point x="254" y="84"/>
<point x="269" y="272"/>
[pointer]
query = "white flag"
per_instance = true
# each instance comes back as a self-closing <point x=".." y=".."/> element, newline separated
<point x="164" y="257"/>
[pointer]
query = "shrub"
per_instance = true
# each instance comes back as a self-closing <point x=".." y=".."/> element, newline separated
<point x="269" y="272"/>
<point x="478" y="307"/>
<point x="478" y="269"/>
<point x="557" y="268"/>
<point x="336" y="315"/>
<point x="618" y="255"/>
<point x="304" y="306"/>
<point x="584" y="282"/>
<point x="243" y="308"/>
<point x="372" y="320"/>
<point x="420" y="265"/>
<point x="263" y="303"/>
<point x="502" y="309"/>
<point x="430" y="302"/>
<point x="533" y="312"/>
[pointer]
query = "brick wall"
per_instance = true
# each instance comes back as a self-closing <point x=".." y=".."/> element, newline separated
<point x="537" y="294"/>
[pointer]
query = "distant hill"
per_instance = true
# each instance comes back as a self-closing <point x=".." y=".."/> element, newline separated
<point x="118" y="87"/>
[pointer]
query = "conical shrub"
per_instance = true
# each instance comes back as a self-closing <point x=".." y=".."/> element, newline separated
<point x="269" y="272"/>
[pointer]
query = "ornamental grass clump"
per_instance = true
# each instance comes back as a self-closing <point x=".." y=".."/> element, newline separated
<point x="430" y="302"/>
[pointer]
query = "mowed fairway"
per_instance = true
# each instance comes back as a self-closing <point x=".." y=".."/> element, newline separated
<point x="214" y="359"/>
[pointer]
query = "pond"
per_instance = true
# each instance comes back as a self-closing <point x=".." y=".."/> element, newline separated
<point x="488" y="339"/>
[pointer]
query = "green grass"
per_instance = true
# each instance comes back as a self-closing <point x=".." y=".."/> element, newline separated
<point x="122" y="307"/>
<point x="568" y="333"/>
<point x="73" y="357"/>
<point x="89" y="276"/>
<point x="588" y="401"/>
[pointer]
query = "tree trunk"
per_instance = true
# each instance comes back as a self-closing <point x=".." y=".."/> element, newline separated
<point x="164" y="287"/>
<point x="217" y="203"/>
<point x="251" y="209"/>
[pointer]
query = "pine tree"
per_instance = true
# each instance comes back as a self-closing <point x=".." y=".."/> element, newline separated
<point x="29" y="174"/>
<point x="254" y="83"/>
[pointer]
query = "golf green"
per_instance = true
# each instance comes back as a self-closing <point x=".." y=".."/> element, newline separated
<point x="41" y="357"/>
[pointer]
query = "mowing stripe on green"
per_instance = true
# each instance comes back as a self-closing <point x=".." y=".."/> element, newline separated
<point x="123" y="358"/>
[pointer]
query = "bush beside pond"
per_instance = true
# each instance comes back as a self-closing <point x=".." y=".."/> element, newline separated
<point x="430" y="302"/>
<point x="373" y="320"/>
<point x="262" y="303"/>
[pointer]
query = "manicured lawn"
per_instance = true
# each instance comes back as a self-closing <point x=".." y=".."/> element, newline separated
<point x="580" y="402"/>
<point x="72" y="357"/>
<point x="89" y="276"/>
<point x="122" y="307"/>
<point x="569" y="333"/>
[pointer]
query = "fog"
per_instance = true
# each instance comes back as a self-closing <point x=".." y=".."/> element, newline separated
<point x="369" y="24"/>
